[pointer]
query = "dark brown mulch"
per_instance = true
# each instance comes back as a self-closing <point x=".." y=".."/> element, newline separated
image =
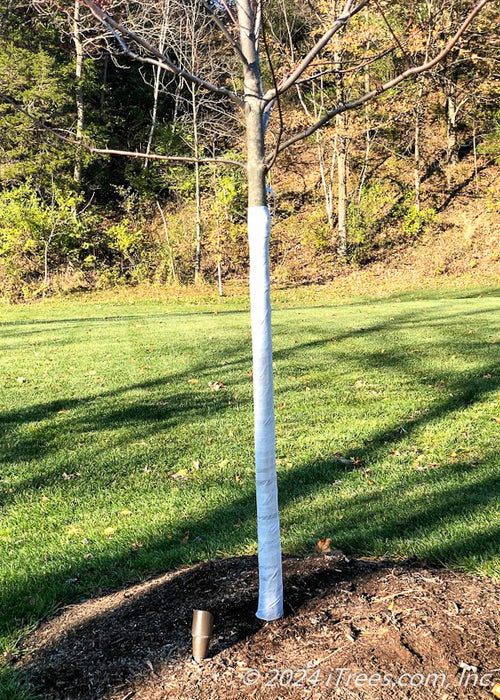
<point x="369" y="617"/>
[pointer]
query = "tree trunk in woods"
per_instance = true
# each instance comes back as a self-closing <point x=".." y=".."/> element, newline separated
<point x="451" y="123"/>
<point x="102" y="98"/>
<point x="196" y="151"/>
<point x="77" y="172"/>
<point x="270" y="604"/>
<point x="341" y="129"/>
<point x="367" y="134"/>
<point x="416" y="153"/>
<point x="167" y="241"/>
<point x="157" y="73"/>
<point x="154" y="113"/>
<point x="342" y="186"/>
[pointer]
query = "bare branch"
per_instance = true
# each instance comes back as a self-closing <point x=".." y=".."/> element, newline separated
<point x="226" y="32"/>
<point x="258" y="23"/>
<point x="391" y="30"/>
<point x="278" y="100"/>
<point x="346" y="15"/>
<point x="161" y="61"/>
<point x="112" y="151"/>
<point x="369" y="96"/>
<point x="157" y="156"/>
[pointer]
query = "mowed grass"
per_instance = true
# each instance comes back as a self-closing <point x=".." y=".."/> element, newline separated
<point x="121" y="453"/>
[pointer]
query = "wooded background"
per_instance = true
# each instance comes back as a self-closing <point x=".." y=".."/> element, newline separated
<point x="418" y="162"/>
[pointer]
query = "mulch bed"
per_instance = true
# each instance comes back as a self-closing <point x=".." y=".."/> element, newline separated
<point x="366" y="616"/>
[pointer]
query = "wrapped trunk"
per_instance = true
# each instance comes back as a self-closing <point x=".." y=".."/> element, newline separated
<point x="270" y="606"/>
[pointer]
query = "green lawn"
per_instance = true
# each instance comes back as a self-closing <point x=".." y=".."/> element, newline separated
<point x="118" y="459"/>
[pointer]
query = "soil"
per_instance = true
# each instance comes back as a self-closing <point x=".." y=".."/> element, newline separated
<point x="366" y="616"/>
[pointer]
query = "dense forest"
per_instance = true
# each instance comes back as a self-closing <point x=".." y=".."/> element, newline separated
<point x="75" y="213"/>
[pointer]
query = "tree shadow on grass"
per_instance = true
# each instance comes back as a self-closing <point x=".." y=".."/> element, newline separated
<point x="368" y="518"/>
<point x="112" y="319"/>
<point x="89" y="657"/>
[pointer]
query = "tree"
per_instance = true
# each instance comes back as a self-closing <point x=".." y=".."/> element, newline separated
<point x="242" y="24"/>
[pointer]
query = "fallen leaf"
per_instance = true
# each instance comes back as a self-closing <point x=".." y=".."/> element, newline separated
<point x="181" y="474"/>
<point x="496" y="690"/>
<point x="74" y="530"/>
<point x="21" y="380"/>
<point x="193" y="381"/>
<point x="109" y="530"/>
<point x="67" y="476"/>
<point x="216" y="386"/>
<point x="497" y="419"/>
<point x="125" y="512"/>
<point x="323" y="546"/>
<point x="185" y="539"/>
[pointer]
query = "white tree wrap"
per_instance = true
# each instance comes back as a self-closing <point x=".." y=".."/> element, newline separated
<point x="268" y="525"/>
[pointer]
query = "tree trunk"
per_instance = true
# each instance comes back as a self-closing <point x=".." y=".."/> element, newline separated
<point x="154" y="114"/>
<point x="196" y="146"/>
<point x="342" y="186"/>
<point x="451" y="119"/>
<point x="341" y="133"/>
<point x="474" y="149"/>
<point x="451" y="122"/>
<point x="80" y="114"/>
<point x="219" y="277"/>
<point x="167" y="241"/>
<point x="104" y="83"/>
<point x="270" y="606"/>
<point x="364" y="169"/>
<point x="157" y="73"/>
<point x="367" y="86"/>
<point x="416" y="155"/>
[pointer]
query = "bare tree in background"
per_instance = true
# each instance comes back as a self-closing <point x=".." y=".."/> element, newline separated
<point x="242" y="24"/>
<point x="80" y="109"/>
<point x="187" y="28"/>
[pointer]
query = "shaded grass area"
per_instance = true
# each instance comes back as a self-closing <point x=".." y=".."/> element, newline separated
<point x="121" y="454"/>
